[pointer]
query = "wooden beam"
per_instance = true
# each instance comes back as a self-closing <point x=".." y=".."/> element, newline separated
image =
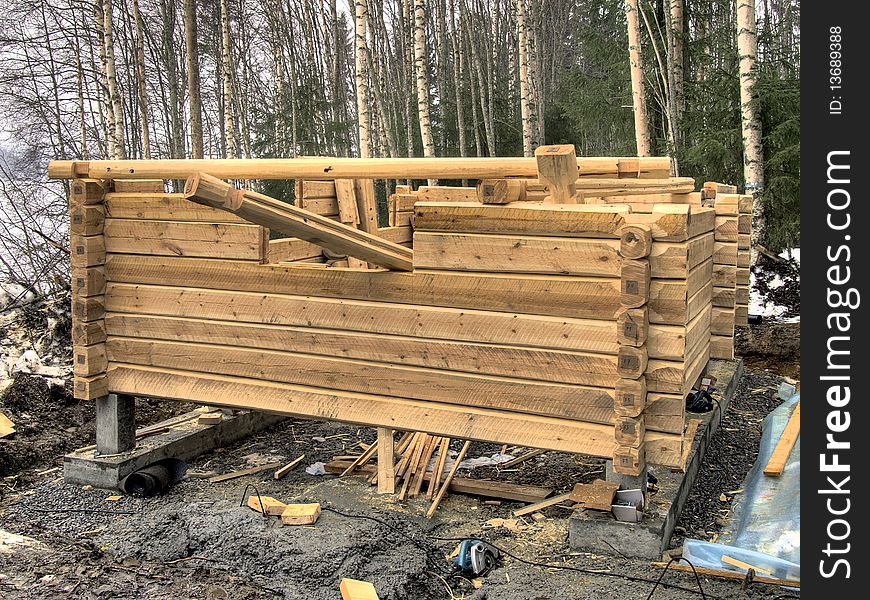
<point x="776" y="463"/>
<point x="501" y="191"/>
<point x="557" y="168"/>
<point x="463" y="422"/>
<point x="176" y="238"/>
<point x="328" y="168"/>
<point x="163" y="207"/>
<point x="635" y="241"/>
<point x="386" y="461"/>
<point x="297" y="222"/>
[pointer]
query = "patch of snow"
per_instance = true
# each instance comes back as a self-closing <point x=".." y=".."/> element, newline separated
<point x="793" y="253"/>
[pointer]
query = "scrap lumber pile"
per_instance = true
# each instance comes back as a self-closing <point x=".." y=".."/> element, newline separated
<point x="562" y="303"/>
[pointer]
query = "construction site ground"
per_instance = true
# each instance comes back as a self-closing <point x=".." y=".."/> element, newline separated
<point x="197" y="542"/>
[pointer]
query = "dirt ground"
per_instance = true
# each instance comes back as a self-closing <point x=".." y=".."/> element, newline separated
<point x="196" y="541"/>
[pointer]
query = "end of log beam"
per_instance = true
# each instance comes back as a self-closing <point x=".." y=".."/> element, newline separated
<point x="67" y="169"/>
<point x="630" y="397"/>
<point x="632" y="326"/>
<point x="629" y="431"/>
<point x="628" y="460"/>
<point x="557" y="167"/>
<point x="213" y="192"/>
<point x="631" y="362"/>
<point x="501" y="191"/>
<point x="635" y="241"/>
<point x="635" y="283"/>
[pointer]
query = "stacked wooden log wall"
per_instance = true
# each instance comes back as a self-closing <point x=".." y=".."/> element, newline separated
<point x="658" y="324"/>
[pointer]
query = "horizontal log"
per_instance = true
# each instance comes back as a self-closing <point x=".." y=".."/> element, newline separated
<point x="580" y="220"/>
<point x="741" y="296"/>
<point x="322" y="168"/>
<point x="669" y="377"/>
<point x="163" y="207"/>
<point x="90" y="309"/>
<point x="743" y="277"/>
<point x="744" y="258"/>
<point x="586" y="298"/>
<point x="292" y="249"/>
<point x="584" y="403"/>
<point x="87" y="281"/>
<point x="461" y="422"/>
<point x="722" y="321"/>
<point x="148" y="186"/>
<point x="541" y="364"/>
<point x="397" y="235"/>
<point x="279" y="216"/>
<point x="88" y="333"/>
<point x="178" y="238"/>
<point x="675" y="260"/>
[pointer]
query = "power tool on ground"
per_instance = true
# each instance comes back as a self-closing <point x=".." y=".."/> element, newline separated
<point x="476" y="558"/>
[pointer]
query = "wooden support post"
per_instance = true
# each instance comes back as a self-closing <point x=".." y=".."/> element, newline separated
<point x="386" y="461"/>
<point x="280" y="216"/>
<point x="557" y="167"/>
<point x="348" y="213"/>
<point x="116" y="424"/>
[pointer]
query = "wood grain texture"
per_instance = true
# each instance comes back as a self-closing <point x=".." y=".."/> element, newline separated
<point x="178" y="238"/>
<point x="460" y="422"/>
<point x="163" y="207"/>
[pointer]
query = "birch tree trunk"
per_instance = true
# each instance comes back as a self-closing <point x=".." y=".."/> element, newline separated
<point x="753" y="158"/>
<point x="116" y="125"/>
<point x="422" y="83"/>
<point x="641" y="127"/>
<point x="528" y="134"/>
<point x="678" y="57"/>
<point x="362" y="85"/>
<point x="457" y="83"/>
<point x="140" y="80"/>
<point x="227" y="80"/>
<point x="191" y="44"/>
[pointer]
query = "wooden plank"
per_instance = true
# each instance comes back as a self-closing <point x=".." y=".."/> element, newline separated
<point x="489" y="359"/>
<point x="386" y="461"/>
<point x="450" y="475"/>
<point x="327" y="207"/>
<point x="87" y="251"/>
<point x="744" y="259"/>
<point x="586" y="403"/>
<point x="566" y="296"/>
<point x="153" y="185"/>
<point x="520" y="218"/>
<point x="742" y="294"/>
<point x="743" y="276"/>
<point x="557" y="255"/>
<point x="366" y="205"/>
<point x="292" y="249"/>
<point x="300" y="223"/>
<point x="280" y="473"/>
<point x="397" y="235"/>
<point x="317" y="189"/>
<point x="401" y="219"/>
<point x="328" y="168"/>
<point x="730" y="574"/>
<point x="163" y="207"/>
<point x="435" y="193"/>
<point x="531" y="508"/>
<point x="346" y="197"/>
<point x="744" y="204"/>
<point x="776" y="463"/>
<point x="725" y="253"/>
<point x="463" y="422"/>
<point x="86" y="219"/>
<point x="179" y="238"/>
<point x="242" y="472"/>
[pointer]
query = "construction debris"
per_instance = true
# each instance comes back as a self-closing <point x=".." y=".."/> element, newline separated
<point x="243" y="472"/>
<point x="354" y="589"/>
<point x="300" y="514"/>
<point x="597" y="495"/>
<point x="288" y="467"/>
<point x="266" y="505"/>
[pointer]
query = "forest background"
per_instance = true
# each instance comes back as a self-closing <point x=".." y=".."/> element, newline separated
<point x="90" y="79"/>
